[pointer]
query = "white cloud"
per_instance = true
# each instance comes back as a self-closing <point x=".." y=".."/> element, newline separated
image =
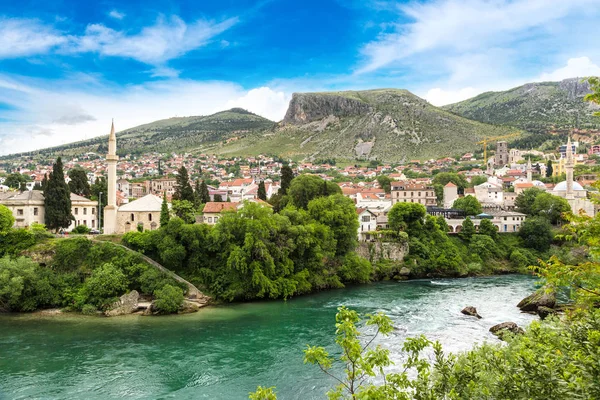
<point x="459" y="26"/>
<point x="263" y="101"/>
<point x="576" y="67"/>
<point x="83" y="109"/>
<point x="25" y="37"/>
<point x="441" y="97"/>
<point x="116" y="14"/>
<point x="167" y="39"/>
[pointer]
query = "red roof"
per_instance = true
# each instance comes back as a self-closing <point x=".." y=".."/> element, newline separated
<point x="217" y="207"/>
<point x="450" y="184"/>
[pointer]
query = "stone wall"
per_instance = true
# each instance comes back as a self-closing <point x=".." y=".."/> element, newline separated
<point x="376" y="251"/>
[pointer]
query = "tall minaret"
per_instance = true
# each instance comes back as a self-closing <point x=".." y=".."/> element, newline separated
<point x="569" y="170"/>
<point x="529" y="171"/>
<point x="110" y="211"/>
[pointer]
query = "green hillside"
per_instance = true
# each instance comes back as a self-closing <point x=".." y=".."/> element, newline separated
<point x="173" y="134"/>
<point x="385" y="124"/>
<point x="537" y="107"/>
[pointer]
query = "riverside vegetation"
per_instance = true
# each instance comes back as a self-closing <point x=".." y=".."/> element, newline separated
<point x="556" y="358"/>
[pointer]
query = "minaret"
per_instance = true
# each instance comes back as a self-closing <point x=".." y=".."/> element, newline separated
<point x="110" y="211"/>
<point x="569" y="170"/>
<point x="529" y="171"/>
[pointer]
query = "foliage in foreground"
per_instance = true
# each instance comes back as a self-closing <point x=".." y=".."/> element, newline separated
<point x="553" y="360"/>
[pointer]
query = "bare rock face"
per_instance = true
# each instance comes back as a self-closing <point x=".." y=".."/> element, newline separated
<point x="189" y="307"/>
<point x="506" y="327"/>
<point x="472" y="311"/>
<point x="127" y="304"/>
<point x="540" y="298"/>
<point x="309" y="107"/>
<point x="545" y="312"/>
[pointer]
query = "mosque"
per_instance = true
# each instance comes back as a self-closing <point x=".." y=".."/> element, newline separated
<point x="143" y="213"/>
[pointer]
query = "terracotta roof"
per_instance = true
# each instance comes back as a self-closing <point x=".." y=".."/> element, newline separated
<point x="217" y="207"/>
<point x="524" y="185"/>
<point x="450" y="184"/>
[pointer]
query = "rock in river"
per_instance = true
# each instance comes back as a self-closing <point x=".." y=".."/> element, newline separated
<point x="540" y="298"/>
<point x="501" y="329"/>
<point x="472" y="311"/>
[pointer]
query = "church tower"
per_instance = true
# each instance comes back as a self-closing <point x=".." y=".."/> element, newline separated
<point x="529" y="171"/>
<point x="569" y="170"/>
<point x="110" y="211"/>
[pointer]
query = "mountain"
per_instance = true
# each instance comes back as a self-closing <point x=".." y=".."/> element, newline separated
<point x="173" y="134"/>
<point x="385" y="124"/>
<point x="537" y="107"/>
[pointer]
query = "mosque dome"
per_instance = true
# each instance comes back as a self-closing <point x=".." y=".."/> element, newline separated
<point x="562" y="187"/>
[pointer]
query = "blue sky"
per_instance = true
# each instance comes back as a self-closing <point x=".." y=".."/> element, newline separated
<point x="68" y="67"/>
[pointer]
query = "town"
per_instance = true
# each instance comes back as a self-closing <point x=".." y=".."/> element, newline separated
<point x="141" y="182"/>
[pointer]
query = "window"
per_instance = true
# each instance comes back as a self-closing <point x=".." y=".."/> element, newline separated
<point x="210" y="219"/>
<point x="216" y="219"/>
<point x="76" y="211"/>
<point x="35" y="211"/>
<point x="366" y="218"/>
<point x="84" y="211"/>
<point x="93" y="223"/>
<point x="132" y="217"/>
<point x="150" y="217"/>
<point x="20" y="211"/>
<point x="93" y="210"/>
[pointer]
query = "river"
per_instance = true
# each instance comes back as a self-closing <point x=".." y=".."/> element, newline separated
<point x="224" y="352"/>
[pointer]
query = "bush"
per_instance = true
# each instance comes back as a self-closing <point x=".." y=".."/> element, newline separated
<point x="168" y="299"/>
<point x="71" y="253"/>
<point x="14" y="241"/>
<point x="89" y="309"/>
<point x="81" y="230"/>
<point x="6" y="218"/>
<point x="106" y="284"/>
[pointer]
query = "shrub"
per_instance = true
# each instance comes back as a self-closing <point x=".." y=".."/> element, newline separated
<point x="106" y="284"/>
<point x="71" y="253"/>
<point x="81" y="230"/>
<point x="89" y="309"/>
<point x="168" y="299"/>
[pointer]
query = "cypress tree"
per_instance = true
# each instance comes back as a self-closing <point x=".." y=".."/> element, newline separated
<point x="45" y="183"/>
<point x="262" y="192"/>
<point x="549" y="169"/>
<point x="164" y="211"/>
<point x="219" y="198"/>
<point x="79" y="182"/>
<point x="286" y="178"/>
<point x="204" y="194"/>
<point x="57" y="199"/>
<point x="183" y="189"/>
<point x="468" y="229"/>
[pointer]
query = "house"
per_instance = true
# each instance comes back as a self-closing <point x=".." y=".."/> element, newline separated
<point x="28" y="208"/>
<point x="406" y="192"/>
<point x="212" y="211"/>
<point x="367" y="223"/>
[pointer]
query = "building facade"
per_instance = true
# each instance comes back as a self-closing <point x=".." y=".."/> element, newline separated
<point x="404" y="192"/>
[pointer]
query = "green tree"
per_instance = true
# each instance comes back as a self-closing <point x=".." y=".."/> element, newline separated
<point x="183" y="189"/>
<point x="549" y="169"/>
<point x="524" y="200"/>
<point x="486" y="227"/>
<point x="468" y="229"/>
<point x="551" y="207"/>
<point x="478" y="180"/>
<point x="469" y="204"/>
<point x="57" y="200"/>
<point x="165" y="215"/>
<point x="184" y="210"/>
<point x="204" y="193"/>
<point x="15" y="180"/>
<point x="78" y="182"/>
<point x="168" y="299"/>
<point x="440" y="180"/>
<point x="286" y="179"/>
<point x="594" y="97"/>
<point x="536" y="233"/>
<point x="407" y="217"/>
<point x="385" y="183"/>
<point x="262" y="192"/>
<point x="6" y="218"/>
<point x="103" y="287"/>
<point x="305" y="188"/>
<point x="339" y="214"/>
<point x="218" y="198"/>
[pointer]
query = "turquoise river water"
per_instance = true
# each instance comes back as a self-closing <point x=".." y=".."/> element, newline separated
<point x="224" y="352"/>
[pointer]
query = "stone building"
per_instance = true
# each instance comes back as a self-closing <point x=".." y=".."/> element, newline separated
<point x="406" y="192"/>
<point x="501" y="156"/>
<point x="143" y="213"/>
